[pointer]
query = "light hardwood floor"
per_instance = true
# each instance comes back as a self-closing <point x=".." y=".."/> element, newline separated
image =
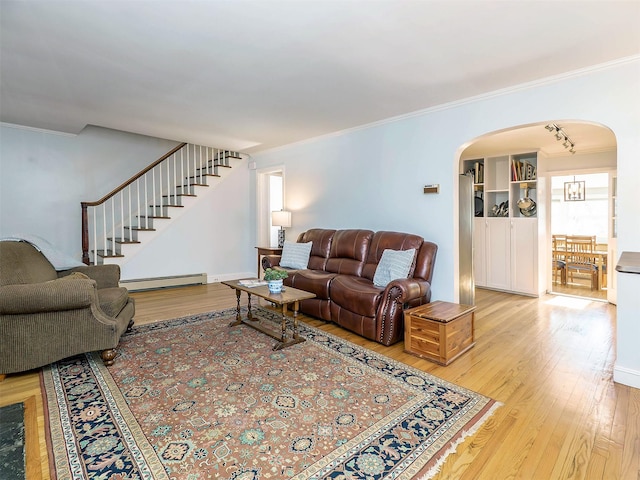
<point x="548" y="360"/>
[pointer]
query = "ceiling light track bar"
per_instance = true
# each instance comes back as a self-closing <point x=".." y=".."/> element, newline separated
<point x="561" y="136"/>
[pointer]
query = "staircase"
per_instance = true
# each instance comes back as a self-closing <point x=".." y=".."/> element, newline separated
<point x="116" y="226"/>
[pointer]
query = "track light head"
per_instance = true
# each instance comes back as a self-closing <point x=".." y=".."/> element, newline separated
<point x="561" y="136"/>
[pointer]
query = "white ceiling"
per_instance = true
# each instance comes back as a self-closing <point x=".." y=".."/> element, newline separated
<point x="249" y="74"/>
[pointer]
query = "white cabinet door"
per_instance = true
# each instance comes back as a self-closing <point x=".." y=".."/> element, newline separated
<point x="479" y="252"/>
<point x="498" y="248"/>
<point x="524" y="255"/>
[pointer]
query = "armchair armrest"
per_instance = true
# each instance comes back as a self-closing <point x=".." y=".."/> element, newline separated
<point x="106" y="276"/>
<point x="49" y="296"/>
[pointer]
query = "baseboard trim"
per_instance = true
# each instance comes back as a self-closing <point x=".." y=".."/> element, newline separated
<point x="626" y="376"/>
<point x="164" y="282"/>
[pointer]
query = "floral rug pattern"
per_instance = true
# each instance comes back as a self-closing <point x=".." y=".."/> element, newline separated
<point x="195" y="399"/>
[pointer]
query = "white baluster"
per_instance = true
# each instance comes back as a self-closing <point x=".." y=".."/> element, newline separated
<point x="112" y="230"/>
<point x="146" y="196"/>
<point x="93" y="242"/>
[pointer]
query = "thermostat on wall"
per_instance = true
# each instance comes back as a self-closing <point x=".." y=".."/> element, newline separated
<point x="433" y="188"/>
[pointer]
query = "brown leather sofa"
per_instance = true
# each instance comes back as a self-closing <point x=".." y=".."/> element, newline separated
<point x="340" y="272"/>
<point x="47" y="315"/>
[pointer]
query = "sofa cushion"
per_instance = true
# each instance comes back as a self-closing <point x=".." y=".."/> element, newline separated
<point x="348" y="251"/>
<point x="356" y="294"/>
<point x="394" y="264"/>
<point x="385" y="240"/>
<point x="295" y="255"/>
<point x="321" y="239"/>
<point x="314" y="281"/>
<point x="112" y="300"/>
<point x="22" y="263"/>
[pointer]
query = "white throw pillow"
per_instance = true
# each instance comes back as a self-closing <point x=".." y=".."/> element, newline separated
<point x="393" y="264"/>
<point x="295" y="255"/>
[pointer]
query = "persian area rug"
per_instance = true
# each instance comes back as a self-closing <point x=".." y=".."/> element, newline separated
<point x="194" y="398"/>
<point x="12" y="444"/>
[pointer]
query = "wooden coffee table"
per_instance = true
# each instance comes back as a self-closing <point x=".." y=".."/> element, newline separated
<point x="288" y="296"/>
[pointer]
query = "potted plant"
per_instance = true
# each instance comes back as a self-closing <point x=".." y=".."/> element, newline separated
<point x="274" y="278"/>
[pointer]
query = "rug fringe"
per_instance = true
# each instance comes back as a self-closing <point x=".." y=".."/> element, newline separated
<point x="454" y="445"/>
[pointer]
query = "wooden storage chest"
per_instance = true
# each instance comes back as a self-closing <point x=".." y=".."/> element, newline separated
<point x="439" y="331"/>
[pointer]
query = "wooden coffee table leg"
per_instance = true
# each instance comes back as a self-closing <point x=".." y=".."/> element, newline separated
<point x="284" y="323"/>
<point x="249" y="314"/>
<point x="238" y="319"/>
<point x="295" y="320"/>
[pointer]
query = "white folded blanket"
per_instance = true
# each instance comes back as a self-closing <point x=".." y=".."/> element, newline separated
<point x="59" y="260"/>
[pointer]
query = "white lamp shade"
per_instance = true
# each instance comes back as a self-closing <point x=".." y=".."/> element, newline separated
<point x="281" y="219"/>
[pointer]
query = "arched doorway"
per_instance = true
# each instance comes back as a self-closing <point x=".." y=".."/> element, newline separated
<point x="500" y="185"/>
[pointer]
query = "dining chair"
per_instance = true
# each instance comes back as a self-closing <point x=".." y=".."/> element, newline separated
<point x="559" y="268"/>
<point x="582" y="263"/>
<point x="559" y="242"/>
<point x="581" y="243"/>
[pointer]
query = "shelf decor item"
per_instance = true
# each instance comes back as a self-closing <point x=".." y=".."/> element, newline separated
<point x="274" y="279"/>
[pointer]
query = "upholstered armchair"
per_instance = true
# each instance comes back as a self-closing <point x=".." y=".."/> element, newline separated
<point x="47" y="315"/>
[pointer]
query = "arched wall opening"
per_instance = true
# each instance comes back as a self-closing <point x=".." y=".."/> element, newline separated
<point x="595" y="150"/>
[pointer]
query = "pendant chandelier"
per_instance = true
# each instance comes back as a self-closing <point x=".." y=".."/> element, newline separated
<point x="574" y="191"/>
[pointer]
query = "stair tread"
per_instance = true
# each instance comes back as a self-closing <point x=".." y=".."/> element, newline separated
<point x="140" y="229"/>
<point x="122" y="241"/>
<point x="108" y="254"/>
<point x="153" y="216"/>
<point x="197" y="177"/>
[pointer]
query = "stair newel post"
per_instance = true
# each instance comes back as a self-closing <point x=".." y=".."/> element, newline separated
<point x="85" y="234"/>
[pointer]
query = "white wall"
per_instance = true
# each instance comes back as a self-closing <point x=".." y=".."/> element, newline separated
<point x="44" y="176"/>
<point x="212" y="237"/>
<point x="372" y="177"/>
<point x="584" y="163"/>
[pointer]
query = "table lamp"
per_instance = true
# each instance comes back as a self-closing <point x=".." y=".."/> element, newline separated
<point x="281" y="219"/>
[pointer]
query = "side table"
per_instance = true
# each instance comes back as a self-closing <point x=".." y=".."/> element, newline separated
<point x="267" y="251"/>
<point x="439" y="331"/>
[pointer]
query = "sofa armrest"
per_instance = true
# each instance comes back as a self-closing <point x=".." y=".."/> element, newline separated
<point x="397" y="295"/>
<point x="269" y="261"/>
<point x="407" y="289"/>
<point x="106" y="276"/>
<point x="49" y="296"/>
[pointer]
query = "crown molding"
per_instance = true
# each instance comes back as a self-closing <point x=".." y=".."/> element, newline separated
<point x="37" y="130"/>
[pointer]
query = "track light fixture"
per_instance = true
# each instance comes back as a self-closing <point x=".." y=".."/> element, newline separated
<point x="561" y="136"/>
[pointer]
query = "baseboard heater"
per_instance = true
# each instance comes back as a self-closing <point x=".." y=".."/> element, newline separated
<point x="164" y="282"/>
